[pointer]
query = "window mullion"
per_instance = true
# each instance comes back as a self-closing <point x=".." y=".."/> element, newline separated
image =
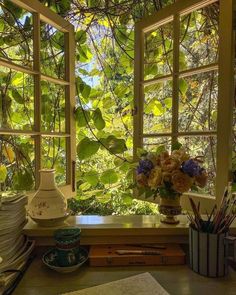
<point x="37" y="94"/>
<point x="138" y="89"/>
<point x="225" y="97"/>
<point x="175" y="96"/>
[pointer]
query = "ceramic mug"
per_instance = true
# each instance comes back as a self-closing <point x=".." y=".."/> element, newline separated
<point x="68" y="245"/>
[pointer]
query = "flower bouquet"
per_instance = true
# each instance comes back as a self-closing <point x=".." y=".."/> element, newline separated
<point x="168" y="175"/>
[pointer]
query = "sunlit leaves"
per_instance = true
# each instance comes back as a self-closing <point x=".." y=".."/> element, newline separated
<point x="98" y="119"/>
<point x="91" y="177"/>
<point x="80" y="37"/>
<point x="109" y="177"/>
<point x="87" y="148"/>
<point x="23" y="180"/>
<point x="3" y="173"/>
<point x="82" y="117"/>
<point x="114" y="145"/>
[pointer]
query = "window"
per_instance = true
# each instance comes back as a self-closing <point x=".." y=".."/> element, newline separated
<point x="37" y="92"/>
<point x="184" y="85"/>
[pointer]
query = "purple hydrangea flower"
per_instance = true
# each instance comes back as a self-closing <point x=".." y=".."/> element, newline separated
<point x="191" y="168"/>
<point x="145" y="166"/>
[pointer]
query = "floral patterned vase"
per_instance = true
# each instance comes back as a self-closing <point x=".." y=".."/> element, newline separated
<point x="48" y="206"/>
<point x="170" y="208"/>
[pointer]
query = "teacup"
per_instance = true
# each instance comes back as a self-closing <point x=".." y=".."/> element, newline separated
<point x="68" y="245"/>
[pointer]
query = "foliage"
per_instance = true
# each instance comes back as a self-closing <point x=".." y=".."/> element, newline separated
<point x="104" y="34"/>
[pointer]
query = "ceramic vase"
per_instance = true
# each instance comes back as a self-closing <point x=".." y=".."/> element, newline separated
<point x="170" y="207"/>
<point x="48" y="206"/>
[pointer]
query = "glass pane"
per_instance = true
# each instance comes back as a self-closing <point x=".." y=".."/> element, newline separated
<point x="16" y="100"/>
<point x="198" y="102"/>
<point x="16" y="31"/>
<point x="17" y="156"/>
<point x="52" y="52"/>
<point x="206" y="148"/>
<point x="150" y="144"/>
<point x="157" y="108"/>
<point x="53" y="107"/>
<point x="199" y="39"/>
<point x="54" y="156"/>
<point x="158" y="52"/>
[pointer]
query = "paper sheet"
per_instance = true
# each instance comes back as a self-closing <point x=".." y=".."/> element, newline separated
<point x="142" y="284"/>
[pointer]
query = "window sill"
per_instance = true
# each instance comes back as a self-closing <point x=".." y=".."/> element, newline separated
<point x="117" y="230"/>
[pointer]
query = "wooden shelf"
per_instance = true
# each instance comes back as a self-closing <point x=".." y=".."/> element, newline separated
<point x="117" y="230"/>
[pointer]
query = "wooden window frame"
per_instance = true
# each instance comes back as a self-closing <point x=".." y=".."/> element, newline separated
<point x="42" y="13"/>
<point x="225" y="82"/>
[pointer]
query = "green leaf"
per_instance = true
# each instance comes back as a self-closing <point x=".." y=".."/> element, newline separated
<point x="176" y="146"/>
<point x="85" y="186"/>
<point x="104" y="198"/>
<point x="87" y="148"/>
<point x="82" y="117"/>
<point x="183" y="86"/>
<point x="81" y="36"/>
<point x="23" y="180"/>
<point x="16" y="95"/>
<point x="127" y="199"/>
<point x="91" y="177"/>
<point x="98" y="119"/>
<point x="14" y="9"/>
<point x="109" y="177"/>
<point x="114" y="145"/>
<point x="3" y="173"/>
<point x="160" y="149"/>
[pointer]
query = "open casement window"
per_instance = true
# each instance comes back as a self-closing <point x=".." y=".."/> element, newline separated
<point x="37" y="93"/>
<point x="184" y="86"/>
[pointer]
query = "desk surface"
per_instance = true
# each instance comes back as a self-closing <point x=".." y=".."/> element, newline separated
<point x="177" y="280"/>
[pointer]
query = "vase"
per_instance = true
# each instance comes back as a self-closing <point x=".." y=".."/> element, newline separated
<point x="48" y="206"/>
<point x="170" y="207"/>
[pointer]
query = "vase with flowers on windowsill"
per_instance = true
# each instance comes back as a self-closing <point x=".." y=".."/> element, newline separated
<point x="167" y="176"/>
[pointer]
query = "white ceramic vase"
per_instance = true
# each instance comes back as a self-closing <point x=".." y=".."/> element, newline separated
<point x="48" y="206"/>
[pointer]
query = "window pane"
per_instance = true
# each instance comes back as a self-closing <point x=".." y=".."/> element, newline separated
<point x="16" y="100"/>
<point x="53" y="107"/>
<point x="16" y="33"/>
<point x="199" y="37"/>
<point x="151" y="143"/>
<point x="198" y="102"/>
<point x="52" y="52"/>
<point x="17" y="155"/>
<point x="157" y="108"/>
<point x="158" y="52"/>
<point x="54" y="156"/>
<point x="205" y="147"/>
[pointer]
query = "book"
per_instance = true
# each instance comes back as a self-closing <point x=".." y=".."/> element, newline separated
<point x="142" y="284"/>
<point x="108" y="255"/>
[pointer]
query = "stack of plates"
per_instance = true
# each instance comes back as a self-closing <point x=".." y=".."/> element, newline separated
<point x="14" y="247"/>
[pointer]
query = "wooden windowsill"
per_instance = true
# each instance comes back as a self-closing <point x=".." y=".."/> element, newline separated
<point x="117" y="230"/>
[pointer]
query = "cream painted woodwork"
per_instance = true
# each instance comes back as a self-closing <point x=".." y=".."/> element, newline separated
<point x="172" y="13"/>
<point x="42" y="13"/>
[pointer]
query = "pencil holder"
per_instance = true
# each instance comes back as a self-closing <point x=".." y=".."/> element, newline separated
<point x="209" y="253"/>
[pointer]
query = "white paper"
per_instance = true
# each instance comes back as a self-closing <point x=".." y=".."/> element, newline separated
<point x="142" y="284"/>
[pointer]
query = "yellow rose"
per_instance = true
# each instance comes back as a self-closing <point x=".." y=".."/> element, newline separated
<point x="170" y="164"/>
<point x="181" y="182"/>
<point x="155" y="177"/>
<point x="141" y="180"/>
<point x="181" y="155"/>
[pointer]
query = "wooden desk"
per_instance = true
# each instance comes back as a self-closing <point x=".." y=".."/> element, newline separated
<point x="177" y="280"/>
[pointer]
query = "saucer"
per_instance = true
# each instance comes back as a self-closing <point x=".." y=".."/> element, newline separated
<point x="50" y="222"/>
<point x="50" y="260"/>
